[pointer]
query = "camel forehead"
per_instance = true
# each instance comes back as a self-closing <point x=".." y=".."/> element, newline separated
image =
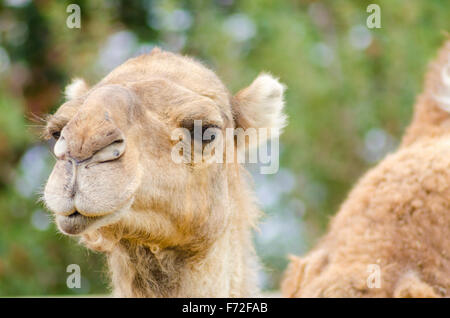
<point x="180" y="70"/>
<point x="108" y="95"/>
<point x="158" y="95"/>
<point x="172" y="74"/>
<point x="102" y="103"/>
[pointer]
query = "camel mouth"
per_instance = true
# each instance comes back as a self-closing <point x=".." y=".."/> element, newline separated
<point x="74" y="214"/>
<point x="75" y="223"/>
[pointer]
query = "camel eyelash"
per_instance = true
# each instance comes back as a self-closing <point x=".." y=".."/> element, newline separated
<point x="204" y="129"/>
<point x="54" y="127"/>
<point x="190" y="125"/>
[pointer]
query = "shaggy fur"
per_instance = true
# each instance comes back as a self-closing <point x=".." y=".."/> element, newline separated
<point x="169" y="229"/>
<point x="397" y="216"/>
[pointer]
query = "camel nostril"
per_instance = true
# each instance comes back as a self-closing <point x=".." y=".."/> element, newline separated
<point x="118" y="141"/>
<point x="92" y="148"/>
<point x="111" y="152"/>
<point x="118" y="145"/>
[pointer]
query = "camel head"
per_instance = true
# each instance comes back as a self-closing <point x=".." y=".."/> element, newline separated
<point x="115" y="176"/>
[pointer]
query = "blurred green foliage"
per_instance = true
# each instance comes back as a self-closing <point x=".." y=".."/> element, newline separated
<point x="350" y="96"/>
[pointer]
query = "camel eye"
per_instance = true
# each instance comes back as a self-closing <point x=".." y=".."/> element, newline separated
<point x="56" y="135"/>
<point x="203" y="133"/>
<point x="211" y="135"/>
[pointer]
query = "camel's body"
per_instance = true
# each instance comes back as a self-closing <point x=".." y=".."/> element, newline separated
<point x="397" y="216"/>
<point x="169" y="229"/>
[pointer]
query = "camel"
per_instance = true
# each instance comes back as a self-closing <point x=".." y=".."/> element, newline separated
<point x="391" y="237"/>
<point x="168" y="229"/>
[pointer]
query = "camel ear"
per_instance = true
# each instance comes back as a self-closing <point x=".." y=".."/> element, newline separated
<point x="77" y="88"/>
<point x="260" y="105"/>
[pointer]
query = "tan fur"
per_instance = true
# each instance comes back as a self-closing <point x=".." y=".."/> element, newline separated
<point x="78" y="87"/>
<point x="168" y="229"/>
<point x="397" y="216"/>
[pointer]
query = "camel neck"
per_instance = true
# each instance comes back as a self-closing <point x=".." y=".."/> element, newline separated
<point x="225" y="270"/>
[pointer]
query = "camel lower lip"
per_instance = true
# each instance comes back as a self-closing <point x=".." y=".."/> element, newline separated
<point x="74" y="223"/>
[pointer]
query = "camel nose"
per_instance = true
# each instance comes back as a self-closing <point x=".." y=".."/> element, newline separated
<point x="100" y="147"/>
<point x="109" y="153"/>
